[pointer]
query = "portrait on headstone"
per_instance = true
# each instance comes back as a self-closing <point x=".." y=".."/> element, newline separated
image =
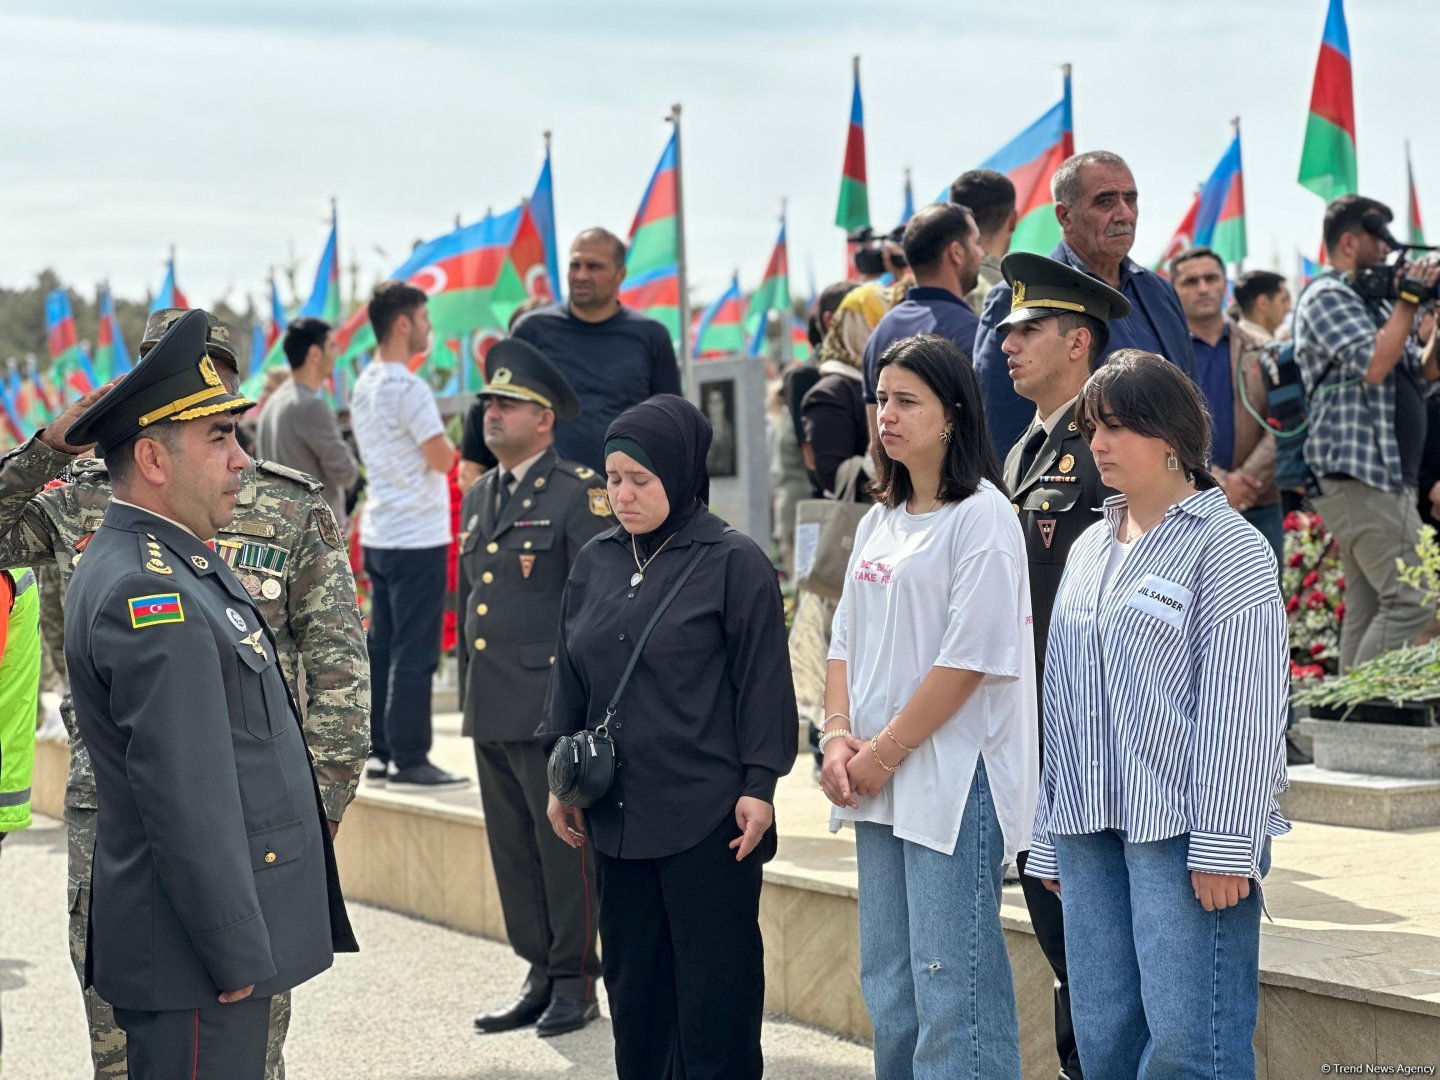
<point x="717" y="399"/>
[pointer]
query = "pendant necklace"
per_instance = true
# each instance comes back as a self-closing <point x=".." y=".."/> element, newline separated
<point x="639" y="575"/>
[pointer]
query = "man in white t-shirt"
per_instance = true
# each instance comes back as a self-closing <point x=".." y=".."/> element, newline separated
<point x="405" y="532"/>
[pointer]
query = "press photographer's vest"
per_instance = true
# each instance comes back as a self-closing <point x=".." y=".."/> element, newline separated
<point x="19" y="687"/>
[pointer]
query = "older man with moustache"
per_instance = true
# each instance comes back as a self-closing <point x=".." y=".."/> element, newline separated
<point x="1097" y="204"/>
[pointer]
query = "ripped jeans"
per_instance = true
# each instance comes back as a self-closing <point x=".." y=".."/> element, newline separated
<point x="933" y="965"/>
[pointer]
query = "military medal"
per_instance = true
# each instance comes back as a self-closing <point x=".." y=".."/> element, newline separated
<point x="1067" y="463"/>
<point x="236" y="619"/>
<point x="1047" y="530"/>
<point x="639" y="575"/>
<point x="270" y="589"/>
<point x="527" y="564"/>
<point x="251" y="583"/>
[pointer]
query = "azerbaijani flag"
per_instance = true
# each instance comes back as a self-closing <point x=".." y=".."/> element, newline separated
<point x="652" y="264"/>
<point x="10" y="415"/>
<point x="799" y="341"/>
<point x="1029" y="160"/>
<point x="170" y="295"/>
<point x="542" y="210"/>
<point x="528" y="255"/>
<point x="468" y="276"/>
<point x="1327" y="162"/>
<point x="907" y="209"/>
<point x="40" y="407"/>
<point x="70" y="367"/>
<point x="112" y="359"/>
<point x="1309" y="269"/>
<point x="324" y="301"/>
<point x="152" y="610"/>
<point x="1220" y="222"/>
<point x="772" y="295"/>
<point x="278" y="320"/>
<point x="853" y="210"/>
<point x="721" y="331"/>
<point x="1414" y="227"/>
<point x="1184" y="237"/>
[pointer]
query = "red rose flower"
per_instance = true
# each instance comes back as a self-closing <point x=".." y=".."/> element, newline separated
<point x="1340" y="611"/>
<point x="1310" y="579"/>
<point x="1293" y="604"/>
<point x="1315" y="601"/>
<point x="1296" y="558"/>
<point x="1340" y="582"/>
<point x="1316" y="648"/>
<point x="1292" y="521"/>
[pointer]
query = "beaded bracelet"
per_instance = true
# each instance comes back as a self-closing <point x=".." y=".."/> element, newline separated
<point x="829" y="736"/>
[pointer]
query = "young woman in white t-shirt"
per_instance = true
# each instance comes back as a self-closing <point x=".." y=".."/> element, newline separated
<point x="930" y="744"/>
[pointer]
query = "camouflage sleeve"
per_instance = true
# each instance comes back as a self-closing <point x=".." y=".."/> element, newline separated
<point x="325" y="619"/>
<point x="27" y="534"/>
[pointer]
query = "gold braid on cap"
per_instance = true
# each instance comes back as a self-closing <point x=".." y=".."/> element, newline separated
<point x="182" y="408"/>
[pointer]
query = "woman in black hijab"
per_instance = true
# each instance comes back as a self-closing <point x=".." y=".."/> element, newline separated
<point x="705" y="727"/>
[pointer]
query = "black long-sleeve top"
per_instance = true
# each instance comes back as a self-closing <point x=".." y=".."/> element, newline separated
<point x="835" y="426"/>
<point x="709" y="713"/>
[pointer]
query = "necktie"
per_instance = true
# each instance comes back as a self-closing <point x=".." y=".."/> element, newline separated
<point x="1031" y="448"/>
<point x="506" y="479"/>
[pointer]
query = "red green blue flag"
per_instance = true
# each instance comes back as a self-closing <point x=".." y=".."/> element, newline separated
<point x="1327" y="162"/>
<point x="324" y="301"/>
<point x="69" y="366"/>
<point x="1414" y="227"/>
<point x="853" y="210"/>
<point x="528" y="254"/>
<point x="772" y="295"/>
<point x="1183" y="237"/>
<point x="112" y="359"/>
<point x="721" y="331"/>
<point x="1030" y="160"/>
<point x="278" y="319"/>
<point x="169" y="295"/>
<point x="542" y="209"/>
<point x="1220" y="221"/>
<point x="652" y="263"/>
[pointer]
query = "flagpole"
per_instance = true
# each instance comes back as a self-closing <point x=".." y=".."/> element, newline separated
<point x="687" y="359"/>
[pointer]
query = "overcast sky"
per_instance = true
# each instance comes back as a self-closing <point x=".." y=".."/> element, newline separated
<point x="225" y="128"/>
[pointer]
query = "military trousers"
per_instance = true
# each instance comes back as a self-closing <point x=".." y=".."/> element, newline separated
<point x="547" y="888"/>
<point x="107" y="1038"/>
<point x="222" y="1042"/>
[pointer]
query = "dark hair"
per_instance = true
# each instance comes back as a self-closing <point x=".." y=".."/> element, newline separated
<point x="1253" y="284"/>
<point x="120" y="459"/>
<point x="1099" y="332"/>
<point x="604" y="236"/>
<point x="932" y="230"/>
<point x="828" y="303"/>
<point x="389" y="301"/>
<point x="529" y="304"/>
<point x="1150" y="396"/>
<point x="1196" y="253"/>
<point x="1346" y="214"/>
<point x="987" y="194"/>
<point x="300" y="335"/>
<point x="969" y="457"/>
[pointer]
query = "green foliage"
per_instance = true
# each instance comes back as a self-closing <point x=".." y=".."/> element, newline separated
<point x="1426" y="576"/>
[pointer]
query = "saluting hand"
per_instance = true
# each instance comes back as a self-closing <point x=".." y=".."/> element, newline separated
<point x="54" y="434"/>
<point x="1216" y="892"/>
<point x="567" y="821"/>
<point x="753" y="817"/>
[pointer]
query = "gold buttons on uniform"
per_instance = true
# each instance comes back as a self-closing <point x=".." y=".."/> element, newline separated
<point x="269" y="856"/>
<point x="1045" y="506"/>
<point x="483" y="609"/>
<point x="487" y="577"/>
<point x="527" y="545"/>
<point x="492" y="547"/>
<point x="528" y="503"/>
<point x="552" y="659"/>
<point x="1015" y="507"/>
<point x="480" y="644"/>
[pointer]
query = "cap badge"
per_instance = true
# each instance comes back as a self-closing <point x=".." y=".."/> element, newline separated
<point x="208" y="372"/>
<point x="1018" y="299"/>
<point x="502" y="377"/>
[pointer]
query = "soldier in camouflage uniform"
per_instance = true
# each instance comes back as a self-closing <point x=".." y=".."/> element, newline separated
<point x="52" y="629"/>
<point x="288" y="553"/>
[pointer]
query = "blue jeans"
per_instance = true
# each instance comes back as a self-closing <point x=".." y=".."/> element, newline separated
<point x="407" y="611"/>
<point x="1159" y="987"/>
<point x="933" y="965"/>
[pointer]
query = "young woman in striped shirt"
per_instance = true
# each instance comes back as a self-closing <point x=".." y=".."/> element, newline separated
<point x="1165" y="694"/>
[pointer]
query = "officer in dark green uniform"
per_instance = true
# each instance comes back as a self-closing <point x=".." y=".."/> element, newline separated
<point x="214" y="883"/>
<point x="522" y="525"/>
<point x="1055" y="332"/>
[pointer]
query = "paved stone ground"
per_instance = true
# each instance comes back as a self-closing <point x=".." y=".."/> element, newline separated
<point x="399" y="1010"/>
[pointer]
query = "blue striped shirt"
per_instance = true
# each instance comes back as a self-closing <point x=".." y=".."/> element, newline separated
<point x="1165" y="693"/>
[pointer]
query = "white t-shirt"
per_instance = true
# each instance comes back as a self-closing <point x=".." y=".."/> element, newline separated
<point x="1119" y="552"/>
<point x="946" y="589"/>
<point x="407" y="504"/>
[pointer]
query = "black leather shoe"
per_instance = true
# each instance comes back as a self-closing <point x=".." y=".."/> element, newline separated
<point x="566" y="1014"/>
<point x="522" y="1012"/>
<point x="1294" y="755"/>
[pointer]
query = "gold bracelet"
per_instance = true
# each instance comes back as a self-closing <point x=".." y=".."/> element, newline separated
<point x="875" y="749"/>
<point x="897" y="742"/>
<point x="830" y="736"/>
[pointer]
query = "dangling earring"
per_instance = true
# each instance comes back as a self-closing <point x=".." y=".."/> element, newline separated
<point x="946" y="436"/>
<point x="1172" y="463"/>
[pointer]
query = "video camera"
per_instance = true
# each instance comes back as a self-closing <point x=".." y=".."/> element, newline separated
<point x="1381" y="282"/>
<point x="871" y="258"/>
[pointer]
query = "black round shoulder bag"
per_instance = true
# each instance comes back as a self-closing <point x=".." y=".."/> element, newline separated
<point x="582" y="766"/>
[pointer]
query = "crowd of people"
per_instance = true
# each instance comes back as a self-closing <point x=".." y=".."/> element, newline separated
<point x="1059" y="647"/>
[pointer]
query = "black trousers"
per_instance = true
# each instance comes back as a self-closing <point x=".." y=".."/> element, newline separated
<point x="407" y="607"/>
<point x="1046" y="916"/>
<point x="547" y="888"/>
<point x="222" y="1042"/>
<point x="683" y="959"/>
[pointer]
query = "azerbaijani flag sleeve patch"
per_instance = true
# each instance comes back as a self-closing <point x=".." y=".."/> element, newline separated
<point x="153" y="610"/>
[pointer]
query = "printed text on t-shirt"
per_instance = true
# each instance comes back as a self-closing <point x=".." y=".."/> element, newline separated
<point x="877" y="572"/>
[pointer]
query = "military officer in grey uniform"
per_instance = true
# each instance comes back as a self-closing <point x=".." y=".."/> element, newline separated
<point x="214" y="883"/>
<point x="521" y="527"/>
<point x="1054" y="334"/>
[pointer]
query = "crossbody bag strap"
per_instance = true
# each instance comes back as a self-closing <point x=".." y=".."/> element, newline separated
<point x="645" y="636"/>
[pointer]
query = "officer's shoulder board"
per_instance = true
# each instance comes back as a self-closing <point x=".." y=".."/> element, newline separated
<point x="580" y="472"/>
<point x="87" y="468"/>
<point x="591" y="482"/>
<point x="302" y="478"/>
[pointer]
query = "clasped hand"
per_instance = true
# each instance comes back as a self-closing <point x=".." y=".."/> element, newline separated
<point x="850" y="769"/>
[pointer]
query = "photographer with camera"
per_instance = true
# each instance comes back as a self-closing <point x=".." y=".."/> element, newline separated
<point x="865" y="305"/>
<point x="1364" y="374"/>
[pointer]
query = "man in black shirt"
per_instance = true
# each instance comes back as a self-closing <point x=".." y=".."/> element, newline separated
<point x="612" y="356"/>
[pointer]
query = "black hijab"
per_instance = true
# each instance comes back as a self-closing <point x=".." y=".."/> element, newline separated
<point x="675" y="436"/>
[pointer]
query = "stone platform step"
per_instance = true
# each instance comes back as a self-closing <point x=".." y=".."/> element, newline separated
<point x="1360" y="800"/>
